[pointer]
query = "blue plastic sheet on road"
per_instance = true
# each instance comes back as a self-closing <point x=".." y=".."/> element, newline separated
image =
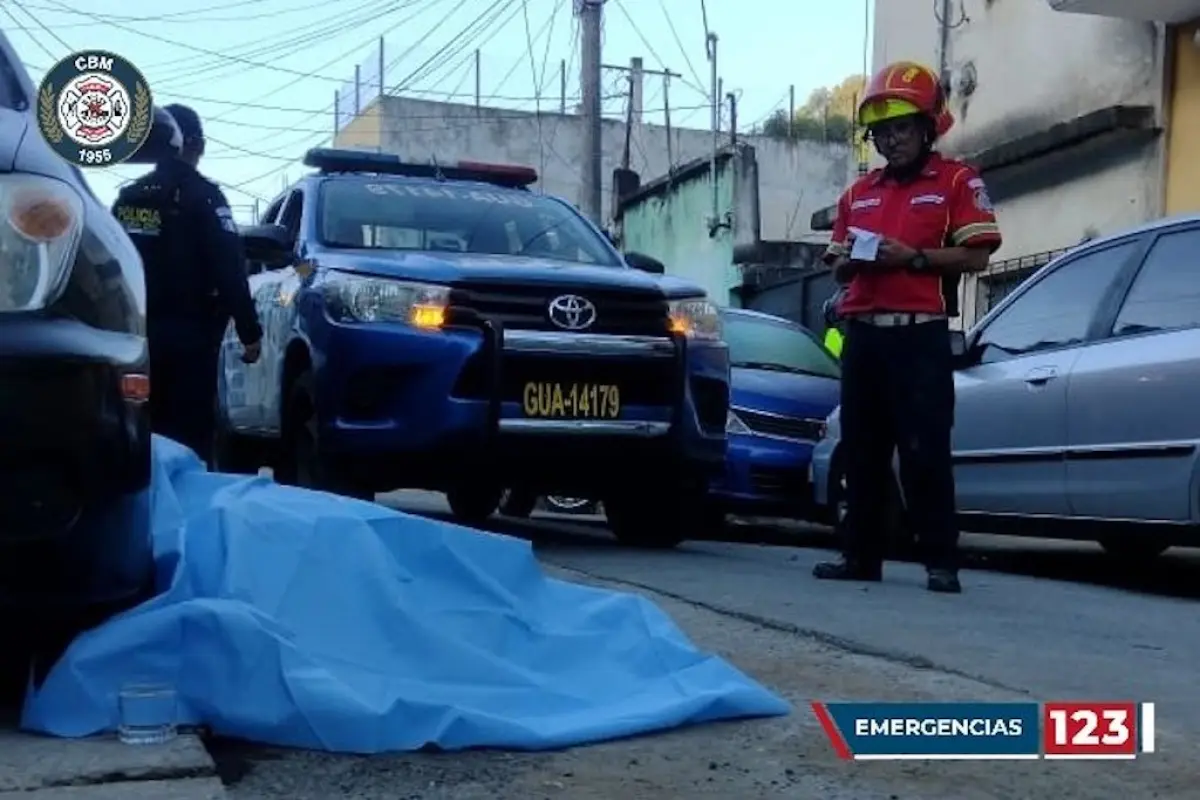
<point x="302" y="619"/>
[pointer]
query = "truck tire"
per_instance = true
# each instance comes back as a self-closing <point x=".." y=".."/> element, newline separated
<point x="517" y="503"/>
<point x="300" y="463"/>
<point x="234" y="454"/>
<point x="658" y="520"/>
<point x="474" y="503"/>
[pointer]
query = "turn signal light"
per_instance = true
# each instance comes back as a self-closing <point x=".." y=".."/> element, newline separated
<point x="135" y="387"/>
<point x="40" y="217"/>
<point x="430" y="317"/>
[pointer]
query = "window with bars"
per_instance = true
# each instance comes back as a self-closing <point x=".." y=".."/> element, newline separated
<point x="1003" y="277"/>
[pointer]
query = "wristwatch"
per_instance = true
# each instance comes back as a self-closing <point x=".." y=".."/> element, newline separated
<point x="919" y="262"/>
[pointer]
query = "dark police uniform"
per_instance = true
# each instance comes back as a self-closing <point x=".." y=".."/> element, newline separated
<point x="897" y="372"/>
<point x="195" y="280"/>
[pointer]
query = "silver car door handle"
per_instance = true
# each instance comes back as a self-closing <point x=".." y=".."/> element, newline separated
<point x="1041" y="376"/>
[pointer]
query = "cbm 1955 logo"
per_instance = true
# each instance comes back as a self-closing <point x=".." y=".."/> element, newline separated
<point x="94" y="108"/>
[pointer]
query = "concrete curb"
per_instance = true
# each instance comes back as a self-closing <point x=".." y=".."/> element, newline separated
<point x="43" y="768"/>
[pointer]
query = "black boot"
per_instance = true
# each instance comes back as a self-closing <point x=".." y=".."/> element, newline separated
<point x="944" y="581"/>
<point x="848" y="569"/>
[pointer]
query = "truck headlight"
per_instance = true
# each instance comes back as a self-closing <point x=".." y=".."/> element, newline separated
<point x="696" y="318"/>
<point x="833" y="425"/>
<point x="41" y="221"/>
<point x="368" y="299"/>
<point x="734" y="426"/>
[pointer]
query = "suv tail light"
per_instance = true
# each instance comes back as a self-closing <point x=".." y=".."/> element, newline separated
<point x="41" y="220"/>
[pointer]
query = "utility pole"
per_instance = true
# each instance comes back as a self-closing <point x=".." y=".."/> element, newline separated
<point x="478" y="80"/>
<point x="667" y="121"/>
<point x="636" y="72"/>
<point x="562" y="87"/>
<point x="791" y="112"/>
<point x="715" y="94"/>
<point x="591" y="14"/>
<point x="732" y="98"/>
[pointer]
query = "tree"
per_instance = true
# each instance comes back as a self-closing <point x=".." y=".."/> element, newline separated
<point x="826" y="116"/>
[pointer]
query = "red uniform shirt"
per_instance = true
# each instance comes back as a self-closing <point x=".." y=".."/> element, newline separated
<point x="946" y="206"/>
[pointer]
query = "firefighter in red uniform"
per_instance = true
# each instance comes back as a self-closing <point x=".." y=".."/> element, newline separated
<point x="936" y="222"/>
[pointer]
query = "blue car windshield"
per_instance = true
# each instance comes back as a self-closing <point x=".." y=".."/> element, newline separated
<point x="395" y="214"/>
<point x="758" y="343"/>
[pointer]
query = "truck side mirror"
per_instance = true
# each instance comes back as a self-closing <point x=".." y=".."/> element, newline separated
<point x="645" y="263"/>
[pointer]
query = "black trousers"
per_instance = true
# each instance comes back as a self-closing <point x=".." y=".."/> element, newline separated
<point x="183" y="393"/>
<point x="898" y="395"/>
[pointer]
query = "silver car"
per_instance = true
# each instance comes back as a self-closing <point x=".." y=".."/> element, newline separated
<point x="1078" y="401"/>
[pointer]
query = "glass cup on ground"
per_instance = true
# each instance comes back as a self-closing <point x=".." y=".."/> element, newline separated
<point x="147" y="713"/>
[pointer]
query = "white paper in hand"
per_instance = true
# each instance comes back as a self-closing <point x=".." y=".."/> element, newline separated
<point x="866" y="245"/>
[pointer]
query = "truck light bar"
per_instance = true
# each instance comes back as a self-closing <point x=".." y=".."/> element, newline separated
<point x="332" y="161"/>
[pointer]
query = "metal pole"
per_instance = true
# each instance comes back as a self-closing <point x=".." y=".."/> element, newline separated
<point x="357" y="88"/>
<point x="562" y="86"/>
<point x="337" y="110"/>
<point x="716" y="124"/>
<point x="478" y="79"/>
<point x="382" y="67"/>
<point x="792" y="111"/>
<point x="732" y="118"/>
<point x="667" y="120"/>
<point x="590" y="17"/>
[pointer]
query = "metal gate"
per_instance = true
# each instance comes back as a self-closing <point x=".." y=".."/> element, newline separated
<point x="797" y="297"/>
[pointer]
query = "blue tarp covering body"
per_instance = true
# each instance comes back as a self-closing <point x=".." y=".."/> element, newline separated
<point x="297" y="618"/>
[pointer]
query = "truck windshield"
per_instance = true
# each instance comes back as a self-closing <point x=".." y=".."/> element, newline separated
<point x="758" y="343"/>
<point x="396" y="214"/>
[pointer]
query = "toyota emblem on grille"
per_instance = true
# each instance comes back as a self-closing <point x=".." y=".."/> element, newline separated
<point x="572" y="312"/>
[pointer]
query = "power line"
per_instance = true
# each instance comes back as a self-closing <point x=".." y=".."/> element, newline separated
<point x="679" y="43"/>
<point x="649" y="47"/>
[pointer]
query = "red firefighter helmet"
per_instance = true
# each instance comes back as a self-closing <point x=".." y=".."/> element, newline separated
<point x="903" y="89"/>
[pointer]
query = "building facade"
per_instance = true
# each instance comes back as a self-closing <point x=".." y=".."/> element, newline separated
<point x="796" y="178"/>
<point x="1081" y="123"/>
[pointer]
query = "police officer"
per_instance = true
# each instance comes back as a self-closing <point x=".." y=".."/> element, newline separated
<point x="936" y="223"/>
<point x="195" y="280"/>
<point x="834" y="337"/>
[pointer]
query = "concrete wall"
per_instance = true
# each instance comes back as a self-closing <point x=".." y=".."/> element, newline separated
<point x="1033" y="67"/>
<point x="671" y="223"/>
<point x="797" y="178"/>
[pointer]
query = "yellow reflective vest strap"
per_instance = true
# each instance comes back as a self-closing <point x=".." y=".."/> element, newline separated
<point x="833" y="341"/>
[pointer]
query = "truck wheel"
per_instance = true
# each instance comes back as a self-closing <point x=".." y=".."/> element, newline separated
<point x="658" y="520"/>
<point x="517" y="503"/>
<point x="234" y="454"/>
<point x="301" y="463"/>
<point x="473" y="503"/>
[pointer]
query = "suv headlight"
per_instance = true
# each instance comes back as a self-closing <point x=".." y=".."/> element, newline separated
<point x="696" y="318"/>
<point x="734" y="426"/>
<point x="41" y="221"/>
<point x="367" y="299"/>
<point x="833" y="424"/>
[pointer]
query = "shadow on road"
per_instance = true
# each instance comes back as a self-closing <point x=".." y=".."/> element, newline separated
<point x="1175" y="574"/>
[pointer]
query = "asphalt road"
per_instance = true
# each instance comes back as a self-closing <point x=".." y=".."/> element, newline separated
<point x="1038" y="620"/>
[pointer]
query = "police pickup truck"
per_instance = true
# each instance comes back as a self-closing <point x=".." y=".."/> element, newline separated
<point x="443" y="327"/>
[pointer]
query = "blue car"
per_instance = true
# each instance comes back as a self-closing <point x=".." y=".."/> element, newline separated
<point x="784" y="385"/>
<point x="442" y="327"/>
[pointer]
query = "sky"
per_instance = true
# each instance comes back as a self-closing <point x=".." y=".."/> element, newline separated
<point x="263" y="73"/>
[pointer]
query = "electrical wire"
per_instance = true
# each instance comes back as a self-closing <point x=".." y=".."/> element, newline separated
<point x="533" y="76"/>
<point x="184" y="45"/>
<point x="650" y="48"/>
<point x="36" y="41"/>
<point x="209" y="68"/>
<point x="679" y="43"/>
<point x="20" y="7"/>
